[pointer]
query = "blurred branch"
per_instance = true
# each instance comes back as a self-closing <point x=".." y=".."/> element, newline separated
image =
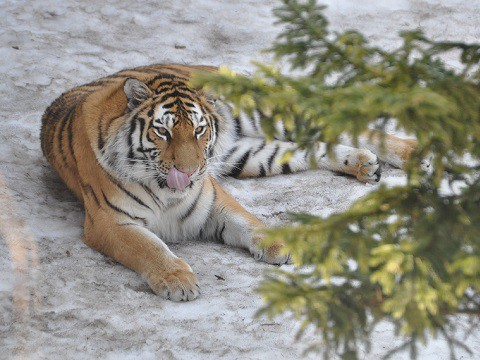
<point x="415" y="248"/>
<point x="22" y="246"/>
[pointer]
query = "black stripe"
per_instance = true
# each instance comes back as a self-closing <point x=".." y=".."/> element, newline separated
<point x="112" y="159"/>
<point x="219" y="234"/>
<point x="214" y="194"/>
<point x="115" y="76"/>
<point x="254" y="123"/>
<point x="161" y="183"/>
<point x="142" y="128"/>
<point x="193" y="206"/>
<point x="230" y="152"/>
<point x="168" y="106"/>
<point x="93" y="84"/>
<point x="149" y="138"/>
<point x="286" y="169"/>
<point x="70" y="136"/>
<point x="260" y="148"/>
<point x="90" y="190"/>
<point x="202" y="108"/>
<point x="168" y="95"/>
<point x="67" y="125"/>
<point x="182" y="112"/>
<point x="162" y="76"/>
<point x="210" y="149"/>
<point x="154" y="197"/>
<point x="119" y="185"/>
<point x="270" y="160"/>
<point x="284" y="131"/>
<point x="133" y="126"/>
<point x="101" y="141"/>
<point x="262" y="115"/>
<point x="175" y="94"/>
<point x="160" y="87"/>
<point x="215" y="124"/>
<point x="262" y="171"/>
<point x="121" y="211"/>
<point x="238" y="126"/>
<point x="146" y="150"/>
<point x="239" y="165"/>
<point x="307" y="156"/>
<point x="65" y="119"/>
<point x="164" y="89"/>
<point x="151" y="111"/>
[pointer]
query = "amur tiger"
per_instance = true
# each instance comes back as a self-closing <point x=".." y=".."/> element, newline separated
<point x="140" y="149"/>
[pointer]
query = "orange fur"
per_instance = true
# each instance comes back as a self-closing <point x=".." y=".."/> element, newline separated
<point x="391" y="145"/>
<point x="75" y="129"/>
<point x="82" y="126"/>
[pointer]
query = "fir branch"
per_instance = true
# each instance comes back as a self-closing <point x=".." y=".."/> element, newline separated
<point x="416" y="247"/>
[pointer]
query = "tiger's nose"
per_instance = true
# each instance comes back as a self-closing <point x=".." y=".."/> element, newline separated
<point x="186" y="170"/>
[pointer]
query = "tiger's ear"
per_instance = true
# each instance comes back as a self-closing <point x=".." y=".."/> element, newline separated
<point x="209" y="97"/>
<point x="137" y="92"/>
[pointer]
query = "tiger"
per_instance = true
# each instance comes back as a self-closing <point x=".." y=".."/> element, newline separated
<point x="143" y="151"/>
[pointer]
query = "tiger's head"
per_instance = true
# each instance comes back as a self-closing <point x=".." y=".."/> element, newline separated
<point x="171" y="134"/>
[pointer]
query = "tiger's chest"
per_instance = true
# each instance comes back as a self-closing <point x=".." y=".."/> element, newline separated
<point x="177" y="216"/>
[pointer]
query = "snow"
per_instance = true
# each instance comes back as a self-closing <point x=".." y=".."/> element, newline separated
<point x="59" y="298"/>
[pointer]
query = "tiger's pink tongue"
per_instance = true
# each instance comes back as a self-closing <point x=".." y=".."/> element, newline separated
<point x="177" y="179"/>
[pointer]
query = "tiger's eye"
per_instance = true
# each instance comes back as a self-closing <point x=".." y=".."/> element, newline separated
<point x="199" y="130"/>
<point x="161" y="131"/>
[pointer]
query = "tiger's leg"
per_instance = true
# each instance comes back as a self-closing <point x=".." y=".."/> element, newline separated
<point x="231" y="224"/>
<point x="390" y="149"/>
<point x="254" y="157"/>
<point x="130" y="243"/>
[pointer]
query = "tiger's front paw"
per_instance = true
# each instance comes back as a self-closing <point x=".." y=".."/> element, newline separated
<point x="272" y="254"/>
<point x="177" y="282"/>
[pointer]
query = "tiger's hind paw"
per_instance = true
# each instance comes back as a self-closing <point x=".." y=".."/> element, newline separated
<point x="366" y="167"/>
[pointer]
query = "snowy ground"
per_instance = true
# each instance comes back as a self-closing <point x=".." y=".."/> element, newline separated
<point x="65" y="300"/>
